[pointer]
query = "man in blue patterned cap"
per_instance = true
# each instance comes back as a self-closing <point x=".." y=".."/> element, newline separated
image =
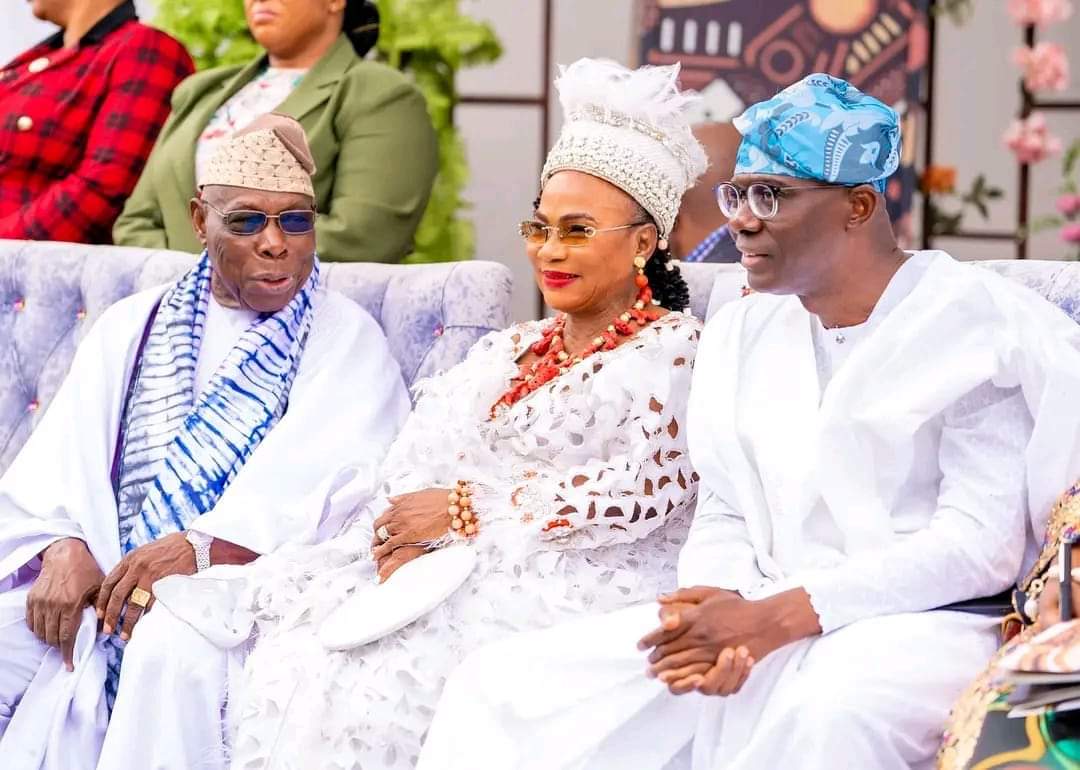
<point x="821" y="128"/>
<point x="871" y="428"/>
<point x="879" y="435"/>
<point x="814" y="153"/>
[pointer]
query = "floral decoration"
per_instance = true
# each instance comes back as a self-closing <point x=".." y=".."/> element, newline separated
<point x="1040" y="13"/>
<point x="1045" y="66"/>
<point x="1030" y="140"/>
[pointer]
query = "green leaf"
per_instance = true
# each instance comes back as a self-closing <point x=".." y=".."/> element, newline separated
<point x="432" y="37"/>
<point x="1039" y="224"/>
<point x="958" y="11"/>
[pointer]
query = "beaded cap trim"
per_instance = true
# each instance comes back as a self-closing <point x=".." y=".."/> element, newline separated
<point x="611" y="118"/>
<point x="609" y="160"/>
<point x="630" y="128"/>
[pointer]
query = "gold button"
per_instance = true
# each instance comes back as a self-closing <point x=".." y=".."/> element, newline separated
<point x="24" y="123"/>
<point x="37" y="65"/>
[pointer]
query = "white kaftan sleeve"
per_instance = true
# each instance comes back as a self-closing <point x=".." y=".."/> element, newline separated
<point x="637" y="471"/>
<point x="974" y="544"/>
<point x="718" y="550"/>
<point x="58" y="485"/>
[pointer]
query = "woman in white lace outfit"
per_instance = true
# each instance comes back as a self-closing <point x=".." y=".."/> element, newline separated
<point x="569" y="433"/>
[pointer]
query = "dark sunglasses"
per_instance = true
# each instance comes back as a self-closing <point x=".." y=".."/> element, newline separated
<point x="245" y="222"/>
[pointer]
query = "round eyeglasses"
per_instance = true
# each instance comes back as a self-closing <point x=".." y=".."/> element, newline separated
<point x="763" y="199"/>
<point x="247" y="222"/>
<point x="537" y="233"/>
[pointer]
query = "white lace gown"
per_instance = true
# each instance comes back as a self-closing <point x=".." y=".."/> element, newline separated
<point x="600" y="450"/>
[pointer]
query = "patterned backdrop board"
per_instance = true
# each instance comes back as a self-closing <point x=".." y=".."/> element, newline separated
<point x="737" y="52"/>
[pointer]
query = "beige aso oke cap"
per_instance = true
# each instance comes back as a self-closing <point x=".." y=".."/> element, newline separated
<point x="271" y="154"/>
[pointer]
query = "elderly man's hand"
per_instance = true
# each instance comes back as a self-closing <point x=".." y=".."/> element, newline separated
<point x="709" y="638"/>
<point x="412" y="521"/>
<point x="69" y="581"/>
<point x="171" y="555"/>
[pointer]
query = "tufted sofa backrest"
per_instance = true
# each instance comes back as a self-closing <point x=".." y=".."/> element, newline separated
<point x="50" y="293"/>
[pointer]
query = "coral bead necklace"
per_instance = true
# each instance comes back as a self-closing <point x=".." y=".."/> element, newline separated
<point x="554" y="359"/>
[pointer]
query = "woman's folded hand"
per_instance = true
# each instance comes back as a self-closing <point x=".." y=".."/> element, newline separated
<point x="408" y="527"/>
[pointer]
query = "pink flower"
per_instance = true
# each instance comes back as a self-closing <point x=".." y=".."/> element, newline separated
<point x="1046" y="67"/>
<point x="1030" y="141"/>
<point x="1039" y="12"/>
<point x="1071" y="233"/>
<point x="1069" y="205"/>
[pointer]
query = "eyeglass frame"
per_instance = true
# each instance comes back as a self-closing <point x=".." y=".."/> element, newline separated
<point x="743" y="195"/>
<point x="277" y="217"/>
<point x="591" y="231"/>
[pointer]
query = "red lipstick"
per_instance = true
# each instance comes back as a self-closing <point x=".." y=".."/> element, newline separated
<point x="553" y="279"/>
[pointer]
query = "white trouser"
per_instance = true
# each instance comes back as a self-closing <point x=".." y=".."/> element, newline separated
<point x="874" y="695"/>
<point x="21" y="652"/>
<point x="169" y="705"/>
<point x="50" y="718"/>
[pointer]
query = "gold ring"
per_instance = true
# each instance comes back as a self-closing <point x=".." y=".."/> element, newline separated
<point x="140" y="597"/>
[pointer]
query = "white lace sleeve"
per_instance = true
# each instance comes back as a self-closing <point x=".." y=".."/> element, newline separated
<point x="624" y="427"/>
<point x="974" y="544"/>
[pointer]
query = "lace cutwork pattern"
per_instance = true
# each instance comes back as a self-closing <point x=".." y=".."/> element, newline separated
<point x="584" y="492"/>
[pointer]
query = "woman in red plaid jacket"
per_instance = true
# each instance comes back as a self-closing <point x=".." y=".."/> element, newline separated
<point x="79" y="114"/>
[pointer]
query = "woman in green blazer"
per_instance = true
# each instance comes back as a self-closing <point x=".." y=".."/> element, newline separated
<point x="375" y="150"/>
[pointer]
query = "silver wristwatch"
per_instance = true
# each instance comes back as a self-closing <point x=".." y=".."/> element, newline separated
<point x="201" y="543"/>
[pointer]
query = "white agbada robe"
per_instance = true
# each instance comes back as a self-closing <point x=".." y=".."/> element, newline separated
<point x="346" y="404"/>
<point x="913" y="468"/>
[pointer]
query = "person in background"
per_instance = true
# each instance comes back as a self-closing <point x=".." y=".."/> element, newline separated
<point x="701" y="232"/>
<point x="79" y="113"/>
<point x="368" y="127"/>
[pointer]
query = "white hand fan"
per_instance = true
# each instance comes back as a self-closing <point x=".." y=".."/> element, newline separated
<point x="410" y="593"/>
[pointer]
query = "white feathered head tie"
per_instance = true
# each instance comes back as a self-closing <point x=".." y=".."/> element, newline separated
<point x="630" y="128"/>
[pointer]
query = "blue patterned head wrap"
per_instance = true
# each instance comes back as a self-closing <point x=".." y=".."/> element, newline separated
<point x="820" y="128"/>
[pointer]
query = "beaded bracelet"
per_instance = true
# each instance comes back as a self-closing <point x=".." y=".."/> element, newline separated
<point x="462" y="518"/>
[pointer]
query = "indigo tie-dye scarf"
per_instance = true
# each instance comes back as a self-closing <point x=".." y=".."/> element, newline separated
<point x="178" y="453"/>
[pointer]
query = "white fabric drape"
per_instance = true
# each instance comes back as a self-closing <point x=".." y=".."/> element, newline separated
<point x="602" y="446"/>
<point x="920" y="474"/>
<point x="927" y="472"/>
<point x="346" y="405"/>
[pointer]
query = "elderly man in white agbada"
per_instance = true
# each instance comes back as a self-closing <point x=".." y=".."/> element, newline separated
<point x="880" y="434"/>
<point x="201" y="423"/>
